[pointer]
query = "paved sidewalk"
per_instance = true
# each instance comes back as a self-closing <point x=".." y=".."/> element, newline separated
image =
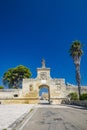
<point x="10" y="113"/>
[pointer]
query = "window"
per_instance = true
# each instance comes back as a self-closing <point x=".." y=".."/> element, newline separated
<point x="15" y="95"/>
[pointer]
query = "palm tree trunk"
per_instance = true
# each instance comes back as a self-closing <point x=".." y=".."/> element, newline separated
<point x="79" y="91"/>
<point x="78" y="79"/>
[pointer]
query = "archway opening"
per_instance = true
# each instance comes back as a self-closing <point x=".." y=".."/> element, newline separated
<point x="44" y="94"/>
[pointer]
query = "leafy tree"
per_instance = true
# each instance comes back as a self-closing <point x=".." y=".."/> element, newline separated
<point x="1" y="87"/>
<point x="73" y="96"/>
<point x="83" y="96"/>
<point x="76" y="53"/>
<point x="14" y="76"/>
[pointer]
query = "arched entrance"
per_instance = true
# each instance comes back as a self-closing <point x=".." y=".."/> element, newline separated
<point x="44" y="94"/>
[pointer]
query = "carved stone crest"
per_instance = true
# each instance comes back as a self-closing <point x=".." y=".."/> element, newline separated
<point x="43" y="75"/>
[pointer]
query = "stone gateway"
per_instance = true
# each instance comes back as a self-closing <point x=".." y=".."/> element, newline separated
<point x="57" y="89"/>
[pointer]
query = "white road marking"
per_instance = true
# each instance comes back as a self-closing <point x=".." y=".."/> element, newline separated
<point x="28" y="119"/>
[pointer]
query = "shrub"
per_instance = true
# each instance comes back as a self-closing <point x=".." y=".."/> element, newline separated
<point x="1" y="87"/>
<point x="73" y="96"/>
<point x="83" y="96"/>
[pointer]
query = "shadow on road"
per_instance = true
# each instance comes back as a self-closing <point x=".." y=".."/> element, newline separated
<point x="77" y="107"/>
<point x="44" y="103"/>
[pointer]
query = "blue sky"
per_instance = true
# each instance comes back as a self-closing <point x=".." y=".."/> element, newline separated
<point x="34" y="29"/>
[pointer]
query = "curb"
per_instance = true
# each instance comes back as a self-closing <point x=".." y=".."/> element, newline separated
<point x="20" y="120"/>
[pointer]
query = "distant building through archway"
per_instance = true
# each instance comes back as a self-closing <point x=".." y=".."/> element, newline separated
<point x="44" y="94"/>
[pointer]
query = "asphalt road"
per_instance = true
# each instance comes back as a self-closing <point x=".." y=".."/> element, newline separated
<point x="61" y="118"/>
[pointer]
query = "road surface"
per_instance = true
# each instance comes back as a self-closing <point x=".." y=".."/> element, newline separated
<point x="57" y="118"/>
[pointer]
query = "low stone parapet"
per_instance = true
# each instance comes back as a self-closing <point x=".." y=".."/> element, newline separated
<point x="19" y="101"/>
<point x="57" y="100"/>
<point x="78" y="103"/>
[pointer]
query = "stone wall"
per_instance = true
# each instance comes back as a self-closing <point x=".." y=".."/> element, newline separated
<point x="72" y="88"/>
<point x="9" y="93"/>
<point x="57" y="93"/>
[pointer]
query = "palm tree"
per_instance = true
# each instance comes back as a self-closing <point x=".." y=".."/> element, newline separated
<point x="76" y="53"/>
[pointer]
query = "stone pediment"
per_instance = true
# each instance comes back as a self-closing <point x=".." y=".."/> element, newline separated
<point x="43" y="73"/>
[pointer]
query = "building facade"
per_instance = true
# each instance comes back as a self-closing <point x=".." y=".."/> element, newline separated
<point x="58" y="91"/>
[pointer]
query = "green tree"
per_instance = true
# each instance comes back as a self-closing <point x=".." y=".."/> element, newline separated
<point x="14" y="76"/>
<point x="1" y="87"/>
<point x="73" y="96"/>
<point x="83" y="96"/>
<point x="76" y="53"/>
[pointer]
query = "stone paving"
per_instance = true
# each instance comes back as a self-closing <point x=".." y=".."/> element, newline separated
<point x="13" y="112"/>
<point x="10" y="113"/>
